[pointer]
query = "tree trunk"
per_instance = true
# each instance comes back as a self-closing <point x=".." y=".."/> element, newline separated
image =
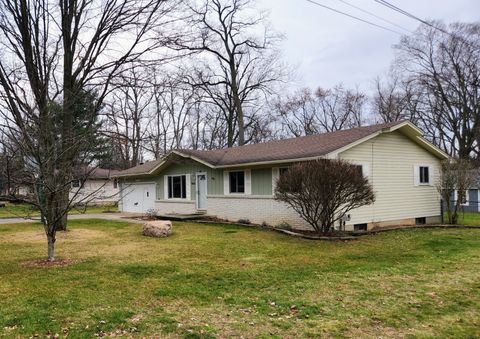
<point x="51" y="247"/>
<point x="237" y="103"/>
<point x="62" y="224"/>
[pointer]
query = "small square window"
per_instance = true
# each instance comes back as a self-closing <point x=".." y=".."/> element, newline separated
<point x="75" y="183"/>
<point x="424" y="175"/>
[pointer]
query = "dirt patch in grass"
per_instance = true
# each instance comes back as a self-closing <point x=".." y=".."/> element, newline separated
<point x="45" y="263"/>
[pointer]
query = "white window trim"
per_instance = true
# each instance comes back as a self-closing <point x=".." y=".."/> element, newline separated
<point x="416" y="175"/>
<point x="467" y="197"/>
<point x="248" y="182"/>
<point x="365" y="168"/>
<point x="188" y="195"/>
<point x="276" y="176"/>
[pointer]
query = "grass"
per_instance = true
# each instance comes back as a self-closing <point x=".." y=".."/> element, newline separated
<point x="27" y="210"/>
<point x="468" y="218"/>
<point x="209" y="281"/>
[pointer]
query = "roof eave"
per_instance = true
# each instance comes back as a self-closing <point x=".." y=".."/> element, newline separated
<point x="270" y="162"/>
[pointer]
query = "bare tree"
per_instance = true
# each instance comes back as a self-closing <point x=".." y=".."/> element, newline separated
<point x="442" y="67"/>
<point x="127" y="115"/>
<point x="340" y="108"/>
<point x="239" y="65"/>
<point x="395" y="100"/>
<point x="54" y="52"/>
<point x="323" y="191"/>
<point x="455" y="176"/>
<point x="324" y="110"/>
<point x="12" y="169"/>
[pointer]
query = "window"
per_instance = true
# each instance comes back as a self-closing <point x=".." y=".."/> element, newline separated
<point x="424" y="175"/>
<point x="237" y="182"/>
<point x="420" y="221"/>
<point x="115" y="183"/>
<point x="359" y="169"/>
<point x="360" y="227"/>
<point x="177" y="187"/>
<point x="282" y="171"/>
<point x="462" y="196"/>
<point x="75" y="183"/>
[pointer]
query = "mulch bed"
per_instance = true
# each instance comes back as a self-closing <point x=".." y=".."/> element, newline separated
<point x="45" y="263"/>
<point x="315" y="236"/>
<point x="355" y="234"/>
<point x="343" y="235"/>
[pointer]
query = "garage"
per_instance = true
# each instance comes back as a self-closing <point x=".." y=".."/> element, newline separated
<point x="138" y="198"/>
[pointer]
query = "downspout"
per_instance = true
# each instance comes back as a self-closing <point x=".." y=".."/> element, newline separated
<point x="372" y="177"/>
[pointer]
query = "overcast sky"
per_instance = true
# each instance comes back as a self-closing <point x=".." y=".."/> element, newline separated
<point x="326" y="48"/>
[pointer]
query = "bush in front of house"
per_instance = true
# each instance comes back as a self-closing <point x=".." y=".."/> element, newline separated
<point x="324" y="190"/>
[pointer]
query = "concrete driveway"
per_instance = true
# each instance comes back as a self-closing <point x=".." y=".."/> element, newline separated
<point x="107" y="216"/>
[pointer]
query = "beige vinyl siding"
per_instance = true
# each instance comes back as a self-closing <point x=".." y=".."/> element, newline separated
<point x="391" y="159"/>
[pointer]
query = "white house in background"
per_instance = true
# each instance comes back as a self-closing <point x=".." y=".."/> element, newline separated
<point x="99" y="188"/>
<point x="239" y="182"/>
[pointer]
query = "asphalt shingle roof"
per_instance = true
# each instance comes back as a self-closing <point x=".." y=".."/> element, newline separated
<point x="285" y="149"/>
<point x="276" y="150"/>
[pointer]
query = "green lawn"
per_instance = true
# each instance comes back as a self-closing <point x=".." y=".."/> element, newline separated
<point x="468" y="218"/>
<point x="220" y="281"/>
<point x="26" y="210"/>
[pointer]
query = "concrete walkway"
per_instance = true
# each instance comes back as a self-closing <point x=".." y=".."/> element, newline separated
<point x="107" y="216"/>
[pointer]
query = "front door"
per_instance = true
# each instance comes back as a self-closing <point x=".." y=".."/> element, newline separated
<point x="201" y="191"/>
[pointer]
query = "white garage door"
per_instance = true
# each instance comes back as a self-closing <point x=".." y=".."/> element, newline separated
<point x="138" y="198"/>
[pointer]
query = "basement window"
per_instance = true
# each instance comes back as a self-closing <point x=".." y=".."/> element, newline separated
<point x="75" y="183"/>
<point x="420" y="221"/>
<point x="360" y="227"/>
<point x="177" y="187"/>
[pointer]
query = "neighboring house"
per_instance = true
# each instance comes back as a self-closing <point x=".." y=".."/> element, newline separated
<point x="469" y="200"/>
<point x="99" y="188"/>
<point x="238" y="182"/>
<point x="471" y="197"/>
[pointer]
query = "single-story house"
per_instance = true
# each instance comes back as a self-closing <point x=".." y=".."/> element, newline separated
<point x="470" y="199"/>
<point x="99" y="187"/>
<point x="238" y="182"/>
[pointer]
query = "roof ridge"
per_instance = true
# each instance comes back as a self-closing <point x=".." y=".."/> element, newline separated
<point x="280" y="150"/>
<point x="389" y="124"/>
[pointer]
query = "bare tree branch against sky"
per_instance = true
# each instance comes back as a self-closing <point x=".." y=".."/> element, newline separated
<point x="326" y="47"/>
